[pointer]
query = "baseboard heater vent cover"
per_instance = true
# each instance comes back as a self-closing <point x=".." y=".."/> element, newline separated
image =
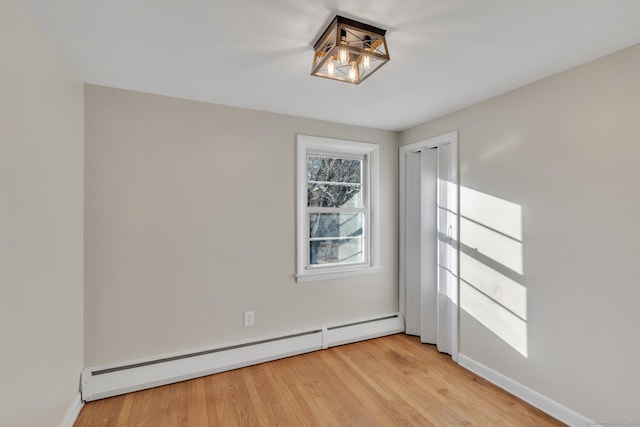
<point x="111" y="380"/>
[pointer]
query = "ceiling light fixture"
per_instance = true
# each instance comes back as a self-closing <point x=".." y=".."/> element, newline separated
<point x="349" y="51"/>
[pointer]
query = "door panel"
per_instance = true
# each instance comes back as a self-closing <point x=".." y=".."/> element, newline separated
<point x="428" y="247"/>
<point x="446" y="279"/>
<point x="412" y="242"/>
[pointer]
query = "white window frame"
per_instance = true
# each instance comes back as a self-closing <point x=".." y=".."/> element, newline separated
<point x="371" y="182"/>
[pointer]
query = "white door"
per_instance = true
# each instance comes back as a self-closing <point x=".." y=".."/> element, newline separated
<point x="412" y="266"/>
<point x="430" y="249"/>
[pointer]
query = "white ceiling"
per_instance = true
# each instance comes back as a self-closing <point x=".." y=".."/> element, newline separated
<point x="445" y="54"/>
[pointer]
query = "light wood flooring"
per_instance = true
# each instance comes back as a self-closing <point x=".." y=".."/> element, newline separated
<point x="389" y="381"/>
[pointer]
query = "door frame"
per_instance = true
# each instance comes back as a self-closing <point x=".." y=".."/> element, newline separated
<point x="448" y="138"/>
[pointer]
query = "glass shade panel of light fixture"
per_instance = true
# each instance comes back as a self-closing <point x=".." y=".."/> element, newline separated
<point x="343" y="56"/>
<point x="365" y="72"/>
<point x="366" y="62"/>
<point x="331" y="68"/>
<point x="353" y="71"/>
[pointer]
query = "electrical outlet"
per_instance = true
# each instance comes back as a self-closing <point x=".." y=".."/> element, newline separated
<point x="248" y="318"/>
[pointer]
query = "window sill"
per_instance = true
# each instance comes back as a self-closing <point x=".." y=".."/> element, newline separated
<point x="316" y="276"/>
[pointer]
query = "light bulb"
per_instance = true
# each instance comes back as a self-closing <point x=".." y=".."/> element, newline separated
<point x="353" y="72"/>
<point x="366" y="62"/>
<point x="366" y="46"/>
<point x="343" y="56"/>
<point x="331" y="68"/>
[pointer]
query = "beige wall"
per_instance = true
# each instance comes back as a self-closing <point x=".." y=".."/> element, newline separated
<point x="41" y="198"/>
<point x="190" y="221"/>
<point x="566" y="150"/>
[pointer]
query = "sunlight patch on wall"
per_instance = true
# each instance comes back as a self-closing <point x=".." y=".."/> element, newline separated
<point x="491" y="263"/>
<point x="497" y="246"/>
<point x="447" y="241"/>
<point x="492" y="212"/>
<point x="509" y="327"/>
<point x="496" y="286"/>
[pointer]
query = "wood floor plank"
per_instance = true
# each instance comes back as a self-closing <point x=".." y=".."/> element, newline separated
<point x="197" y="411"/>
<point x="303" y="379"/>
<point x="294" y="402"/>
<point x="389" y="381"/>
<point x="140" y="408"/>
<point x="398" y="409"/>
<point x="125" y="410"/>
<point x="213" y="395"/>
<point x="105" y="412"/>
<point x="373" y="402"/>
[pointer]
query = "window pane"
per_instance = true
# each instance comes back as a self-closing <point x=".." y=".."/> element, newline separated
<point x="334" y="196"/>
<point x="336" y="251"/>
<point x="331" y="169"/>
<point x="335" y="225"/>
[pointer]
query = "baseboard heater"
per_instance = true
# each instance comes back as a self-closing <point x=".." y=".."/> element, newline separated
<point x="111" y="380"/>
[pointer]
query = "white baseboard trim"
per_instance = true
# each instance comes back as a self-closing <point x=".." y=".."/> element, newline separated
<point x="530" y="396"/>
<point x="110" y="380"/>
<point x="72" y="413"/>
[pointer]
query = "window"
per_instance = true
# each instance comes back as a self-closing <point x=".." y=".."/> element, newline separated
<point x="337" y="196"/>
